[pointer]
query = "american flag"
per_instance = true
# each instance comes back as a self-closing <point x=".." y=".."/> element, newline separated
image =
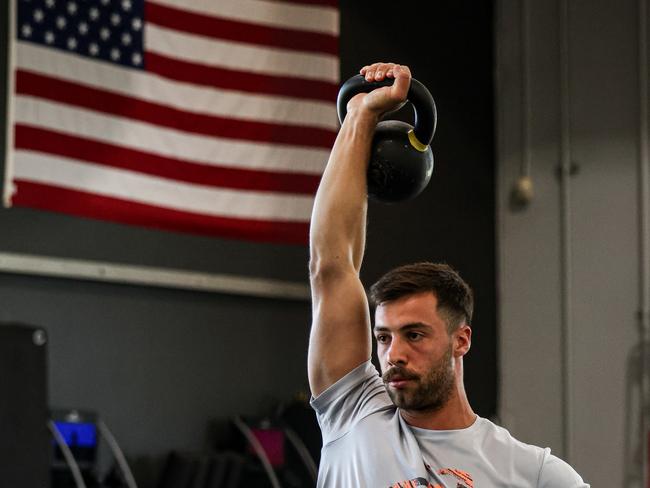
<point x="201" y="116"/>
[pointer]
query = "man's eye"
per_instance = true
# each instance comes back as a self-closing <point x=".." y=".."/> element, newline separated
<point x="414" y="336"/>
<point x="382" y="338"/>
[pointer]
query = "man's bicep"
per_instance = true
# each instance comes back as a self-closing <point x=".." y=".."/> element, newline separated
<point x="340" y="333"/>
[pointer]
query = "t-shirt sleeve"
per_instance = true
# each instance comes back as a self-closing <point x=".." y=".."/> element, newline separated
<point x="355" y="396"/>
<point x="556" y="473"/>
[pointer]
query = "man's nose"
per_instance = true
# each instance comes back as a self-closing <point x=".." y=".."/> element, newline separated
<point x="396" y="353"/>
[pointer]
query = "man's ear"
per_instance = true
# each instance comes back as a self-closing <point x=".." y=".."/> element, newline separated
<point x="462" y="340"/>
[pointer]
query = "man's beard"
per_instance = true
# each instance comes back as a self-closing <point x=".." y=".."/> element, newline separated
<point x="430" y="392"/>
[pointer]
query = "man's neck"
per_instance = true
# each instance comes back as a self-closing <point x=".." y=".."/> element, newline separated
<point x="455" y="414"/>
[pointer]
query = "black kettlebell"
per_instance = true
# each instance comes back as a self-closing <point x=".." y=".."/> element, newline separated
<point x="401" y="161"/>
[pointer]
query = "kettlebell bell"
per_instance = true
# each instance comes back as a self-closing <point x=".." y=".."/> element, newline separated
<point x="401" y="161"/>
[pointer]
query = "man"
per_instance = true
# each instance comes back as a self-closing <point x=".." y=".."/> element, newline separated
<point x="413" y="426"/>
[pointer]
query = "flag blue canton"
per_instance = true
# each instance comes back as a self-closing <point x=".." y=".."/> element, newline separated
<point x="110" y="30"/>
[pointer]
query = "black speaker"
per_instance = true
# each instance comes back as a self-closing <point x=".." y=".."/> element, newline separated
<point x="25" y="442"/>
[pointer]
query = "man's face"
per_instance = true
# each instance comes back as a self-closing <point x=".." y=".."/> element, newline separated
<point x="415" y="351"/>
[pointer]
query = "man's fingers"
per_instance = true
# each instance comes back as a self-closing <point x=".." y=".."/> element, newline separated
<point x="402" y="82"/>
<point x="378" y="71"/>
<point x="390" y="97"/>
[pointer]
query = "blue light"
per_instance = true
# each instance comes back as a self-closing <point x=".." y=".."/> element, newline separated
<point x="78" y="434"/>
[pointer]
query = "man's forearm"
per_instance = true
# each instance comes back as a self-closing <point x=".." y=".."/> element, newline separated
<point x="337" y="234"/>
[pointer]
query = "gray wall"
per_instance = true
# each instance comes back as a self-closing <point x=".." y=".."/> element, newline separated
<point x="602" y="264"/>
<point x="160" y="365"/>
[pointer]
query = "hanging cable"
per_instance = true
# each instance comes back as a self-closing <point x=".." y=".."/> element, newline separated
<point x="565" y="233"/>
<point x="67" y="455"/>
<point x="644" y="241"/>
<point x="117" y="453"/>
<point x="259" y="450"/>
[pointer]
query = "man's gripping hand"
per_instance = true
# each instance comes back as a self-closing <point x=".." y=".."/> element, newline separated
<point x="385" y="99"/>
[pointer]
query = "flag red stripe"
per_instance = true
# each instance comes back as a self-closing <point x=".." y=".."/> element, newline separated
<point x="50" y="88"/>
<point x="214" y="77"/>
<point x="246" y="32"/>
<point x="81" y="149"/>
<point x="94" y="206"/>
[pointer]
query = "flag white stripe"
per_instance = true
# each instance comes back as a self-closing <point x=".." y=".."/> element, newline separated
<point x="240" y="56"/>
<point x="168" y="142"/>
<point x="152" y="190"/>
<point x="184" y="96"/>
<point x="316" y="18"/>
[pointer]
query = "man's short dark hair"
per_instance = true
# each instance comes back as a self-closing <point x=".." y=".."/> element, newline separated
<point x="455" y="298"/>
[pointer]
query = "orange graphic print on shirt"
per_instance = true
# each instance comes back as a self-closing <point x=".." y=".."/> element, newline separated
<point x="463" y="480"/>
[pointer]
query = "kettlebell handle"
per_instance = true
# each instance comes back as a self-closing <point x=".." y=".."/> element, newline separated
<point x="425" y="108"/>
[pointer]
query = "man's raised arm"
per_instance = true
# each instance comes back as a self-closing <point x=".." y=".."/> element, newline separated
<point x="340" y="334"/>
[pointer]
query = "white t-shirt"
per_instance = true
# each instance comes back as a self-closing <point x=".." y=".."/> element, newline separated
<point x="367" y="443"/>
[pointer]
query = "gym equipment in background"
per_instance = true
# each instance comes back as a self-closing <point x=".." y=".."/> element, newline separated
<point x="268" y="441"/>
<point x="76" y="435"/>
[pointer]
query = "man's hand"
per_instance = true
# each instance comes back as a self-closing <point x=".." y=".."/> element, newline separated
<point x="388" y="98"/>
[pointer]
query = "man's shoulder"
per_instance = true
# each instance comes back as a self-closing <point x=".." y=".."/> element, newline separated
<point x="550" y="469"/>
<point x="501" y="437"/>
<point x="358" y="383"/>
<point x="358" y="395"/>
